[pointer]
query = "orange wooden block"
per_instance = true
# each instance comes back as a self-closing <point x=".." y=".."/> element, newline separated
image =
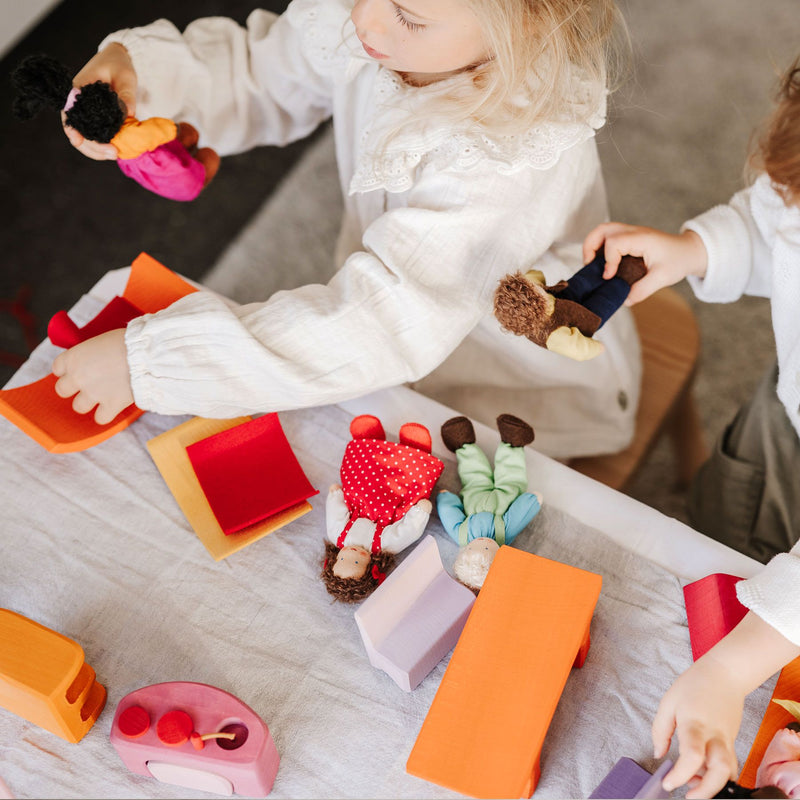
<point x="776" y="717"/>
<point x="529" y="626"/>
<point x="168" y="451"/>
<point x="44" y="679"/>
<point x="49" y="419"/>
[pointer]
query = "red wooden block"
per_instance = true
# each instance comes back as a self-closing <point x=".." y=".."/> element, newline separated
<point x="712" y="610"/>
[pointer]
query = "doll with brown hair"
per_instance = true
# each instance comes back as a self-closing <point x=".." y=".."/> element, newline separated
<point x="564" y="317"/>
<point x="157" y="153"/>
<point x="381" y="507"/>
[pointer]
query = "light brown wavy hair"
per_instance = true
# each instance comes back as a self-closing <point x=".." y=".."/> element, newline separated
<point x="777" y="147"/>
<point x="551" y="60"/>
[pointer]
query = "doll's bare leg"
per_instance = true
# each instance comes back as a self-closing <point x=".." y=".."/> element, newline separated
<point x="210" y="161"/>
<point x="188" y="136"/>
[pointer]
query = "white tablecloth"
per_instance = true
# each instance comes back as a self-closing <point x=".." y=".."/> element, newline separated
<point x="94" y="546"/>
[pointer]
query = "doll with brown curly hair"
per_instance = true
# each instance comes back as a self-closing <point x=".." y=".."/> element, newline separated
<point x="381" y="506"/>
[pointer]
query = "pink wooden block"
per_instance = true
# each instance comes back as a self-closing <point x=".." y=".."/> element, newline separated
<point x="414" y="618"/>
<point x="245" y="765"/>
<point x="712" y="610"/>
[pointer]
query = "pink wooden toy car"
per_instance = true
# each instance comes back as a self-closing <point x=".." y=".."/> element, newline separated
<point x="196" y="736"/>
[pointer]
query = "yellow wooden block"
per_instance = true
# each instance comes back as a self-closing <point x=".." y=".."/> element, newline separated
<point x="168" y="451"/>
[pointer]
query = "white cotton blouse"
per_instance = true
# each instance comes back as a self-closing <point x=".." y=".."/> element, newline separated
<point x="431" y="224"/>
<point x="753" y="246"/>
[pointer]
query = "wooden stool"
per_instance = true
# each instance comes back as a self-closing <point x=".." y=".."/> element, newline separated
<point x="670" y="340"/>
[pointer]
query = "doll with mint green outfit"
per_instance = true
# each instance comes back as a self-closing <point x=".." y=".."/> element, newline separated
<point x="494" y="505"/>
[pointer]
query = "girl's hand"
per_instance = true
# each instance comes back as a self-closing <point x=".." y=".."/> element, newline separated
<point x="96" y="372"/>
<point x="704" y="708"/>
<point x="669" y="258"/>
<point x="111" y="65"/>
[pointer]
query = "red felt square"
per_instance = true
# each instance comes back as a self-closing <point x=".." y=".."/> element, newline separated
<point x="249" y="472"/>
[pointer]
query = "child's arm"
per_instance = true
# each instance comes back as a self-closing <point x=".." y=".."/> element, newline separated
<point x="111" y="65"/>
<point x="703" y="707"/>
<point x="268" y="82"/>
<point x="669" y="258"/>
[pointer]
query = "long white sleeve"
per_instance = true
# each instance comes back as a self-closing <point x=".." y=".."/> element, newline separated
<point x="240" y="86"/>
<point x="738" y="237"/>
<point x="432" y="221"/>
<point x="392" y="313"/>
<point x="774" y="594"/>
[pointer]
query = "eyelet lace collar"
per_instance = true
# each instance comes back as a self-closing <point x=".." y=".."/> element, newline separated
<point x="393" y="167"/>
<point x="330" y="41"/>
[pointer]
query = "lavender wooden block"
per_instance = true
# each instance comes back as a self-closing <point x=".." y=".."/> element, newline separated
<point x="414" y="618"/>
<point x="628" y="779"/>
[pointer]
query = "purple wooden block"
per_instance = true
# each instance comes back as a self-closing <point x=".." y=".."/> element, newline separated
<point x="628" y="779"/>
<point x="414" y="618"/>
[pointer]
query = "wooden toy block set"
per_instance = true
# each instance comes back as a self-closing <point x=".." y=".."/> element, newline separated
<point x="509" y="613"/>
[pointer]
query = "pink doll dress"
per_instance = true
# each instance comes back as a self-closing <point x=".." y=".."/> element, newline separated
<point x="150" y="153"/>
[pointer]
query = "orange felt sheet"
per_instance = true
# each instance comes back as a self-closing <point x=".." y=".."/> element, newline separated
<point x="49" y="419"/>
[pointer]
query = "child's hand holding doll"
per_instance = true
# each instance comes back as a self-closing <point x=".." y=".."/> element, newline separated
<point x="669" y="258"/>
<point x="111" y="65"/>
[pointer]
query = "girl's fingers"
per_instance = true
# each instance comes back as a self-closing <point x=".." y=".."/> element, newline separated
<point x="596" y="238"/>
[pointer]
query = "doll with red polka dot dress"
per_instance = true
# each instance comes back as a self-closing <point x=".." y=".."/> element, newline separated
<point x="381" y="506"/>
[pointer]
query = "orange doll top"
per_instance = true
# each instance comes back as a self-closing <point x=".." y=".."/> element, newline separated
<point x="135" y="137"/>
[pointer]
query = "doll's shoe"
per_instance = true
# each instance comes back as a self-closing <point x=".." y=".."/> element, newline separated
<point x="365" y="426"/>
<point x="413" y="434"/>
<point x="570" y="342"/>
<point x="631" y="269"/>
<point x="456" y="432"/>
<point x="514" y="431"/>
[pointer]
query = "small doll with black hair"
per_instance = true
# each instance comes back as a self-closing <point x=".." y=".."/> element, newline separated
<point x="381" y="507"/>
<point x="157" y="153"/>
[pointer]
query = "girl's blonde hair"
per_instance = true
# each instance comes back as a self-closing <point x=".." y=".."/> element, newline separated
<point x="551" y="60"/>
<point x="777" y="150"/>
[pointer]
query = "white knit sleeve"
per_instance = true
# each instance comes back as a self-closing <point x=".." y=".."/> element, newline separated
<point x="739" y="258"/>
<point x="774" y="594"/>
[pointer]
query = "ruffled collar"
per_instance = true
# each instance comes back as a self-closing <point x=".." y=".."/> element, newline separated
<point x="443" y="144"/>
<point x="330" y="42"/>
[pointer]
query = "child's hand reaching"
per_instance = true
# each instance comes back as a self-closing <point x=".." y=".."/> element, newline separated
<point x="669" y="258"/>
<point x="111" y="65"/>
<point x="704" y="704"/>
<point x="96" y="372"/>
<point x="704" y="708"/>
